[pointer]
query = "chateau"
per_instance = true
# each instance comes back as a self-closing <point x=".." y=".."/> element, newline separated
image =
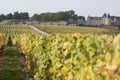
<point x="105" y="20"/>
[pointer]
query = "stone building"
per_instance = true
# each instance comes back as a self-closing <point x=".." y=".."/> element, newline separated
<point x="93" y="21"/>
<point x="105" y="20"/>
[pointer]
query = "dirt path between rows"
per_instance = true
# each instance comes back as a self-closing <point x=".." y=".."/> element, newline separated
<point x="12" y="65"/>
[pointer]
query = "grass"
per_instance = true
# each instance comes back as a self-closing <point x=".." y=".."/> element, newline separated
<point x="75" y="29"/>
<point x="12" y="70"/>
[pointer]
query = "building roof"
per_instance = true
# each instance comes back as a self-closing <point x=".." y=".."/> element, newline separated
<point x="108" y="15"/>
<point x="104" y="15"/>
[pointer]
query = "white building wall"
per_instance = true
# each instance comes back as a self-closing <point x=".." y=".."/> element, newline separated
<point x="94" y="22"/>
<point x="106" y="21"/>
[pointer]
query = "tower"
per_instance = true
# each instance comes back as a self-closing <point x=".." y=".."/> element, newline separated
<point x="106" y="19"/>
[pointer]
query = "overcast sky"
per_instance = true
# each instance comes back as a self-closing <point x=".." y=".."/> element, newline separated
<point x="81" y="7"/>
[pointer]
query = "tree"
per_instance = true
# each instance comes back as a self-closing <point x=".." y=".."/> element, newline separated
<point x="35" y="17"/>
<point x="58" y="16"/>
<point x="24" y="16"/>
<point x="9" y="16"/>
<point x="81" y="18"/>
<point x="2" y="17"/>
<point x="21" y="16"/>
<point x="50" y="16"/>
<point x="71" y="13"/>
<point x="75" y="17"/>
<point x="16" y="15"/>
<point x="43" y="17"/>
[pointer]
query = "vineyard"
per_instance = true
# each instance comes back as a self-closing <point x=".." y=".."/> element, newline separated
<point x="13" y="30"/>
<point x="76" y="29"/>
<point x="3" y="41"/>
<point x="73" y="56"/>
<point x="10" y="65"/>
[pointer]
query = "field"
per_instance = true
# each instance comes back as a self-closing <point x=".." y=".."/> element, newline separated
<point x="10" y="66"/>
<point x="76" y="29"/>
<point x="16" y="29"/>
<point x="72" y="56"/>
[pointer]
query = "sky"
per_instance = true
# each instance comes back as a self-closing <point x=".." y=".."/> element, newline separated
<point x="81" y="7"/>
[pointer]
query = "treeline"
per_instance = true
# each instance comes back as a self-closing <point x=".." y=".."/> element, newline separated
<point x="58" y="16"/>
<point x="16" y="16"/>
